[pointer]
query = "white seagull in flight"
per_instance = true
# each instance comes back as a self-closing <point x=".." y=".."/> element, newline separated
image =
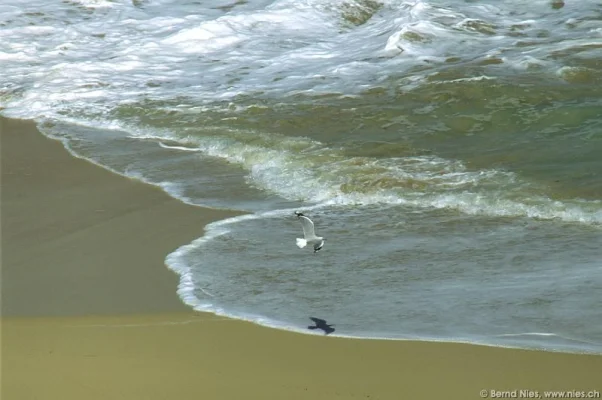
<point x="309" y="235"/>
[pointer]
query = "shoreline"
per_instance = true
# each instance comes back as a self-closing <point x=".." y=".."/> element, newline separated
<point x="89" y="311"/>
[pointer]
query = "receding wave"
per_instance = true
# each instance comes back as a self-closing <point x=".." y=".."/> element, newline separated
<point x="303" y="169"/>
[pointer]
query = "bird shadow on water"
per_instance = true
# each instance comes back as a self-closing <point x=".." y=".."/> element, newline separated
<point x="321" y="324"/>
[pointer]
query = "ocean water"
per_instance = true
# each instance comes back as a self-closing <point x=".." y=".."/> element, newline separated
<point x="449" y="150"/>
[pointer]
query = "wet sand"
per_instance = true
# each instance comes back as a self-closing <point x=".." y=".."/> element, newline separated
<point x="90" y="311"/>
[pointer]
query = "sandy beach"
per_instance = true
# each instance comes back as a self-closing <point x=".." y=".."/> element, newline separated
<point x="89" y="310"/>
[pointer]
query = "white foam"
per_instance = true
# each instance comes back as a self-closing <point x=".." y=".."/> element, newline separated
<point x="550" y="335"/>
<point x="18" y="56"/>
<point x="94" y="3"/>
<point x="211" y="37"/>
<point x="293" y="40"/>
<point x="581" y="211"/>
<point x="181" y="148"/>
<point x="27" y="30"/>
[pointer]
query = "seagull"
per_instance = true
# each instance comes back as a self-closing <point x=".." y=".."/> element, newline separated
<point x="309" y="236"/>
<point x="321" y="324"/>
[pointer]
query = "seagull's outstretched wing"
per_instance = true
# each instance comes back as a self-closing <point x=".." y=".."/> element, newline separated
<point x="308" y="226"/>
<point x="318" y="321"/>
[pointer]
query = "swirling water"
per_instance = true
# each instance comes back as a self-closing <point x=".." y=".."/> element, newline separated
<point x="450" y="151"/>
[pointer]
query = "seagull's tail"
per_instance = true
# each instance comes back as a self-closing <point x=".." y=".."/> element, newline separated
<point x="301" y="243"/>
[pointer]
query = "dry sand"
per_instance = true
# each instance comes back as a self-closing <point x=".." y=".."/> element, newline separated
<point x="90" y="311"/>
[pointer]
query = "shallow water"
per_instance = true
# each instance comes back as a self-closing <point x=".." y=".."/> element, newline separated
<point x="450" y="151"/>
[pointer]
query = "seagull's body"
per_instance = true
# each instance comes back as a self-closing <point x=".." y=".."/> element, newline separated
<point x="309" y="235"/>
